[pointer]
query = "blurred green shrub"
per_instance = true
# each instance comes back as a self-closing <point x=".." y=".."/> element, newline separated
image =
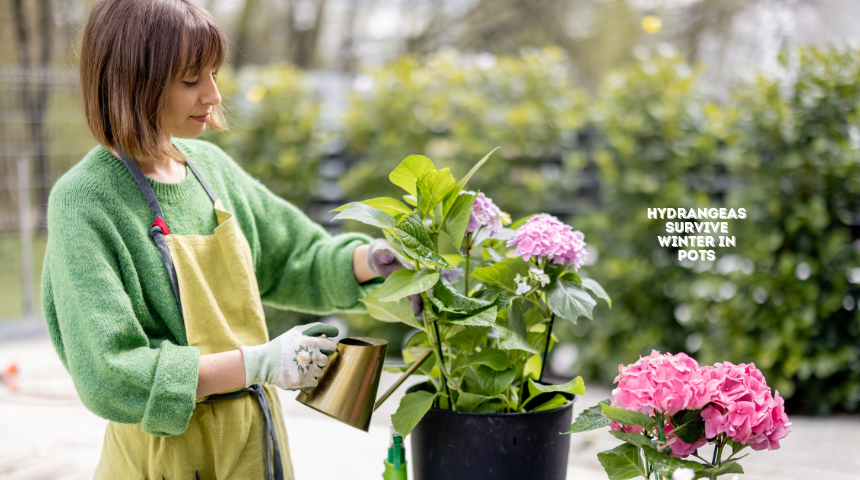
<point x="659" y="146"/>
<point x="456" y="108"/>
<point x="795" y="162"/>
<point x="275" y="132"/>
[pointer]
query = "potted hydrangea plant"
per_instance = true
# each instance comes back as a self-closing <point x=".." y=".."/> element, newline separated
<point x="666" y="407"/>
<point x="486" y="327"/>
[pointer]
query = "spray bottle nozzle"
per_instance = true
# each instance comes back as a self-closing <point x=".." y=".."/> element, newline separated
<point x="395" y="465"/>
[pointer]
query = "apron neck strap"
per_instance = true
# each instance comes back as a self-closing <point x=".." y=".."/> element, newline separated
<point x="146" y="188"/>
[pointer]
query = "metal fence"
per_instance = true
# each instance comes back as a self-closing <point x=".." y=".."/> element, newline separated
<point x="40" y="139"/>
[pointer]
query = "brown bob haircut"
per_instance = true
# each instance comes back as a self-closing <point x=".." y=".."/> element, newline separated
<point x="132" y="51"/>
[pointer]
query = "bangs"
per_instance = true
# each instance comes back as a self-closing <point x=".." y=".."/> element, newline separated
<point x="203" y="44"/>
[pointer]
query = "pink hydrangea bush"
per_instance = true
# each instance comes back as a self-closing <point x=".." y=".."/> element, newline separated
<point x="545" y="236"/>
<point x="735" y="402"/>
<point x="742" y="407"/>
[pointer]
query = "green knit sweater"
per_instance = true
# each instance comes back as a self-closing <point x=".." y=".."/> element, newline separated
<point x="108" y="303"/>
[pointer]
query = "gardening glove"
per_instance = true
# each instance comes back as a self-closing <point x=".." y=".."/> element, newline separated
<point x="383" y="259"/>
<point x="294" y="360"/>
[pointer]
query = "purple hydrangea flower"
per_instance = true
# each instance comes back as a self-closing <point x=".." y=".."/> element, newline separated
<point x="453" y="274"/>
<point x="485" y="213"/>
<point x="544" y="236"/>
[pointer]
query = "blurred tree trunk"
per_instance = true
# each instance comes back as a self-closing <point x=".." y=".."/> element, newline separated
<point x="34" y="94"/>
<point x="347" y="60"/>
<point x="303" y="37"/>
<point x="427" y="39"/>
<point x="241" y="51"/>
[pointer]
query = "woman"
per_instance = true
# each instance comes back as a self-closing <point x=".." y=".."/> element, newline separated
<point x="161" y="251"/>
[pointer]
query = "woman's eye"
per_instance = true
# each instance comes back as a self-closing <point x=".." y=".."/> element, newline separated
<point x="190" y="83"/>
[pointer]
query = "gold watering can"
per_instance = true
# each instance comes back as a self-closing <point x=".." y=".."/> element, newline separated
<point x="346" y="391"/>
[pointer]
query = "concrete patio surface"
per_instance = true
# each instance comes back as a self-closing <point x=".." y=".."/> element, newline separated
<point x="46" y="433"/>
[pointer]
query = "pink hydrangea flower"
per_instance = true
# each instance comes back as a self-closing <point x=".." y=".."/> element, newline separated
<point x="665" y="383"/>
<point x="742" y="407"/>
<point x="544" y="236"/>
<point x="679" y="448"/>
<point x="485" y="213"/>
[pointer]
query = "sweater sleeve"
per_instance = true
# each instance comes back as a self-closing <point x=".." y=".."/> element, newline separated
<point x="299" y="265"/>
<point x="118" y="372"/>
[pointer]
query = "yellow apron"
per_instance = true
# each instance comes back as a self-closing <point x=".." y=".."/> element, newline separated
<point x="228" y="435"/>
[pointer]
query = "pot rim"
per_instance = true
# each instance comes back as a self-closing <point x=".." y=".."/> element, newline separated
<point x="512" y="414"/>
<point x="576" y="397"/>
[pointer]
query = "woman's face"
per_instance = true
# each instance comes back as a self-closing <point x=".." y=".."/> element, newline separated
<point x="190" y="101"/>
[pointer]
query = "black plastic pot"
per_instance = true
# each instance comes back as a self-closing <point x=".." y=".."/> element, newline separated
<point x="450" y="445"/>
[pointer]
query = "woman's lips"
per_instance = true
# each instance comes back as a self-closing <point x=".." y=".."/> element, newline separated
<point x="203" y="119"/>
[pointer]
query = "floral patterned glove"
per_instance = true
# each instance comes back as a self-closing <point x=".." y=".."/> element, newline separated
<point x="294" y="360"/>
<point x="383" y="259"/>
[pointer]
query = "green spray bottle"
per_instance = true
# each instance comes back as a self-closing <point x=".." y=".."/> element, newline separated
<point x="395" y="465"/>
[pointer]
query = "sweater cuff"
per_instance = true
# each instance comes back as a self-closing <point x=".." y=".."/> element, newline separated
<point x="172" y="399"/>
<point x="345" y="283"/>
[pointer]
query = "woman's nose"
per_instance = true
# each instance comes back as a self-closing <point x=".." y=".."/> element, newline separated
<point x="211" y="96"/>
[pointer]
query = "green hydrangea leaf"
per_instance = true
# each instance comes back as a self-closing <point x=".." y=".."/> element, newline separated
<point x="554" y="402"/>
<point x="469" y="338"/>
<point x="491" y="357"/>
<point x="512" y="330"/>
<point x="454" y="223"/>
<point x="627" y="417"/>
<point x="591" y="418"/>
<point x="596" y="289"/>
<point x="569" y="301"/>
<point x="689" y="425"/>
<point x="478" y="318"/>
<point x="636" y="439"/>
<point x="468" y="402"/>
<point x="406" y="174"/>
<point x="399" y="311"/>
<point x="575" y="386"/>
<point x="391" y="206"/>
<point x="432" y="187"/>
<point x="622" y="462"/>
<point x="449" y="200"/>
<point x="405" y="282"/>
<point x="413" y="407"/>
<point x="502" y="274"/>
<point x="416" y="242"/>
<point x="494" y="382"/>
<point x="366" y="214"/>
<point x="454" y="300"/>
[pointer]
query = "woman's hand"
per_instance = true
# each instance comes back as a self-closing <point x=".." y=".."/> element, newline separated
<point x="294" y="360"/>
<point x="383" y="259"/>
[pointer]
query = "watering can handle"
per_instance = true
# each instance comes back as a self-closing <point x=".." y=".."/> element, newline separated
<point x="402" y="379"/>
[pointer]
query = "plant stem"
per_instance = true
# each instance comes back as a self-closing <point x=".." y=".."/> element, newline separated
<point x="720" y="455"/>
<point x="440" y="360"/>
<point x="546" y="347"/>
<point x="523" y="384"/>
<point x="443" y="371"/>
<point x="733" y="453"/>
<point x="466" y="277"/>
<point x="537" y="305"/>
<point x="714" y="460"/>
